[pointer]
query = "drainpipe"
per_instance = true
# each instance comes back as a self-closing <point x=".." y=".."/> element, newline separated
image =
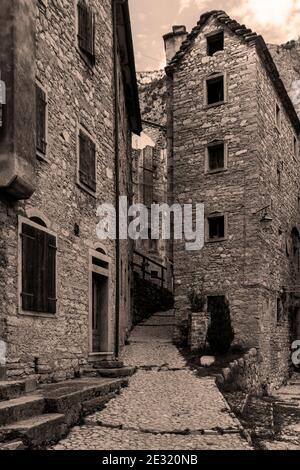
<point x="117" y="176"/>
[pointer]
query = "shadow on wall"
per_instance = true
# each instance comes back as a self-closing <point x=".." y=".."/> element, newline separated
<point x="149" y="298"/>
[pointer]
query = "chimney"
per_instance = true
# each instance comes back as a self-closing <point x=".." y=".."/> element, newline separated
<point x="174" y="40"/>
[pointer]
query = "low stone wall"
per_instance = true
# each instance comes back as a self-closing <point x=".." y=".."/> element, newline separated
<point x="242" y="375"/>
<point x="197" y="330"/>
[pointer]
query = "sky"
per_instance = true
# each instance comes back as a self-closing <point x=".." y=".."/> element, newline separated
<point x="277" y="20"/>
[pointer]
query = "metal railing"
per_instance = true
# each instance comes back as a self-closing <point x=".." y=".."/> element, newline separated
<point x="143" y="268"/>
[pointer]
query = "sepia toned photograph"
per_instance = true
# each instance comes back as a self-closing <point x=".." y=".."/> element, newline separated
<point x="149" y="230"/>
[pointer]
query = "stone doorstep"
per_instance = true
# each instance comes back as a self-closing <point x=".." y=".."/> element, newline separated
<point x="36" y="431"/>
<point x="16" y="388"/>
<point x="116" y="373"/>
<point x="20" y="408"/>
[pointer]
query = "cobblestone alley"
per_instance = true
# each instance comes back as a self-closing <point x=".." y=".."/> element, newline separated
<point x="165" y="407"/>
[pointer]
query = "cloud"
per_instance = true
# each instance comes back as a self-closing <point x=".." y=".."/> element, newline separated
<point x="184" y="4"/>
<point x="277" y="20"/>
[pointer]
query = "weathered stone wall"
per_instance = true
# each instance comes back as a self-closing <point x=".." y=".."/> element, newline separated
<point x="250" y="266"/>
<point x="242" y="375"/>
<point x="287" y="60"/>
<point x="231" y="267"/>
<point x="197" y="330"/>
<point x="57" y="346"/>
<point x="153" y="96"/>
<point x="279" y="174"/>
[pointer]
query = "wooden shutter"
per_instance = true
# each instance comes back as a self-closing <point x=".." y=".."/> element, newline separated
<point x="29" y="268"/>
<point x="87" y="161"/>
<point x="38" y="270"/>
<point x="86" y="29"/>
<point x="41" y="106"/>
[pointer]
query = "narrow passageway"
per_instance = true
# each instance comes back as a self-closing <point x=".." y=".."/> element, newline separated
<point x="165" y="407"/>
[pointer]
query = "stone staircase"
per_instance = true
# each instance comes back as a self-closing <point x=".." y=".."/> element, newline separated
<point x="33" y="418"/>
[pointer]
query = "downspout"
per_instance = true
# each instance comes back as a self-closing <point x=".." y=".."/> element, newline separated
<point x="117" y="176"/>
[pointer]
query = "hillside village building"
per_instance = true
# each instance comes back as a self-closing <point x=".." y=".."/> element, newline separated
<point x="234" y="146"/>
<point x="65" y="146"/>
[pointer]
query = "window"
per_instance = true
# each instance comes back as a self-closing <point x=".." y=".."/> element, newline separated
<point x="215" y="43"/>
<point x="86" y="31"/>
<point x="87" y="162"/>
<point x="215" y="90"/>
<point x="41" y="121"/>
<point x="216" y="227"/>
<point x="295" y="147"/>
<point x="148" y="176"/>
<point x="278" y="117"/>
<point x="38" y="266"/>
<point x="216" y="160"/>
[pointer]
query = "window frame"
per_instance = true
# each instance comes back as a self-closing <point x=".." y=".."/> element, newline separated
<point x="211" y="77"/>
<point x="215" y="215"/>
<point x="210" y="36"/>
<point x="44" y="157"/>
<point x="24" y="220"/>
<point x="211" y="144"/>
<point x="105" y="272"/>
<point x="79" y="183"/>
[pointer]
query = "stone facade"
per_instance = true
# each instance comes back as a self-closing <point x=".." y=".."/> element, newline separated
<point x="78" y="96"/>
<point x="254" y="264"/>
<point x="150" y="152"/>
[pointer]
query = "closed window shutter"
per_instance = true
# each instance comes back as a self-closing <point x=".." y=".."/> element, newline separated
<point x="38" y="270"/>
<point x="29" y="268"/>
<point x="41" y="104"/>
<point x="51" y="281"/>
<point x="87" y="161"/>
<point x="86" y="29"/>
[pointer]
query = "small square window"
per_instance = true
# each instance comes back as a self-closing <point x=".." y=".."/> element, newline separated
<point x="278" y="117"/>
<point x="216" y="157"/>
<point x="216" y="227"/>
<point x="215" y="43"/>
<point x="215" y="90"/>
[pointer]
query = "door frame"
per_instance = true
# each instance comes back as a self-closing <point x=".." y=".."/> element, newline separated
<point x="105" y="272"/>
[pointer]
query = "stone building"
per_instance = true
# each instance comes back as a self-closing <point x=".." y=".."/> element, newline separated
<point x="65" y="145"/>
<point x="150" y="172"/>
<point x="233" y="136"/>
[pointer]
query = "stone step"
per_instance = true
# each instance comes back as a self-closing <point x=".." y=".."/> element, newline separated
<point x="36" y="431"/>
<point x="13" y="445"/>
<point x="70" y="398"/>
<point x="111" y="373"/>
<point x="97" y="404"/>
<point x="20" y="408"/>
<point x="14" y="389"/>
<point x="108" y="364"/>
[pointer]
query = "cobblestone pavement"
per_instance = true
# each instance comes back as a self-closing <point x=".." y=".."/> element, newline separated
<point x="165" y="407"/>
